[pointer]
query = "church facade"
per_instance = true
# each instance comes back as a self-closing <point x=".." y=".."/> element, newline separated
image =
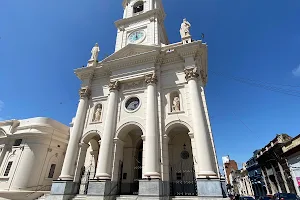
<point x="142" y="127"/>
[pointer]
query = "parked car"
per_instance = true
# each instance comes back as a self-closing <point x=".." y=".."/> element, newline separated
<point x="265" y="198"/>
<point x="285" y="196"/>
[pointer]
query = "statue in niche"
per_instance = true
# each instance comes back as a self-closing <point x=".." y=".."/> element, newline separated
<point x="176" y="104"/>
<point x="185" y="29"/>
<point x="95" y="52"/>
<point x="97" y="114"/>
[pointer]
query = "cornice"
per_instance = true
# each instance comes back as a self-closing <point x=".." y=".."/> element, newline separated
<point x="84" y="72"/>
<point x="190" y="49"/>
<point x="142" y="16"/>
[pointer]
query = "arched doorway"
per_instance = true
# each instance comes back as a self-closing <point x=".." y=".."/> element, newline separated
<point x="89" y="152"/>
<point x="130" y="160"/>
<point x="181" y="160"/>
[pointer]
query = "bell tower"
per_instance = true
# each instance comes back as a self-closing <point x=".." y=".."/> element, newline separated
<point x="142" y="23"/>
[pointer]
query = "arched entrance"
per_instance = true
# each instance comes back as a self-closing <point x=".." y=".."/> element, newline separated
<point x="182" y="173"/>
<point x="88" y="159"/>
<point x="130" y="160"/>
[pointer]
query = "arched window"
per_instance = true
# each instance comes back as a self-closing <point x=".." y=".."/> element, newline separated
<point x="138" y="7"/>
<point x="51" y="171"/>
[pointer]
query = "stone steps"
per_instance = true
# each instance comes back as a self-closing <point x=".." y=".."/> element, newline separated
<point x="80" y="197"/>
<point x="127" y="197"/>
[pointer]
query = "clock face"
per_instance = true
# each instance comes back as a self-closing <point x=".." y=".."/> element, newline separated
<point x="136" y="36"/>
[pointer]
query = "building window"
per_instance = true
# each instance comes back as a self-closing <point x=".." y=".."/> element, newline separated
<point x="138" y="7"/>
<point x="51" y="172"/>
<point x="17" y="142"/>
<point x="8" y="168"/>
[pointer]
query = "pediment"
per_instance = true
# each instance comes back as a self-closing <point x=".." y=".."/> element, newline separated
<point x="131" y="50"/>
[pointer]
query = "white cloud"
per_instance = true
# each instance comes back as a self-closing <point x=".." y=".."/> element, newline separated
<point x="296" y="71"/>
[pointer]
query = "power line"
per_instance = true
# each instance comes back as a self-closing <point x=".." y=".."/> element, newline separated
<point x="290" y="92"/>
<point x="285" y="85"/>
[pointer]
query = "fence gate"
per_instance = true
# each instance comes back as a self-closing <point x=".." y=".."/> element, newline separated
<point x="84" y="181"/>
<point x="182" y="179"/>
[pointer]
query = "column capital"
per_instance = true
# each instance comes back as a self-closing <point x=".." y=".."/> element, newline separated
<point x="118" y="141"/>
<point x="84" y="92"/>
<point x="143" y="137"/>
<point x="191" y="73"/>
<point x="151" y="78"/>
<point x="114" y="85"/>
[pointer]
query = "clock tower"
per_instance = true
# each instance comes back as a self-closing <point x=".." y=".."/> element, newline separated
<point x="142" y="23"/>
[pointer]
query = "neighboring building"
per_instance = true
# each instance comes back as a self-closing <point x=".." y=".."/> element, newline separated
<point x="228" y="167"/>
<point x="274" y="166"/>
<point x="255" y="176"/>
<point x="240" y="182"/>
<point x="31" y="156"/>
<point x="143" y="114"/>
<point x="291" y="151"/>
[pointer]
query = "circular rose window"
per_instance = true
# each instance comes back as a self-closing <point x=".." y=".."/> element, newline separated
<point x="132" y="104"/>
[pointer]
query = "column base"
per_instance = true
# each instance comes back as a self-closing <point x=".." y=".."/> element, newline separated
<point x="152" y="175"/>
<point x="99" y="189"/>
<point x="153" y="189"/>
<point x="66" y="178"/>
<point x="103" y="176"/>
<point x="209" y="188"/>
<point x="62" y="190"/>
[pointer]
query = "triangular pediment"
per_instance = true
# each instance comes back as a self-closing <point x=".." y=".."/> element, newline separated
<point x="131" y="50"/>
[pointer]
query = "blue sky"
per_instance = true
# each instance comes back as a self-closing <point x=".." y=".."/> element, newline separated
<point x="43" y="41"/>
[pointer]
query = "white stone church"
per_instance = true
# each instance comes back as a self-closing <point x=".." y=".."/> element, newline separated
<point x="142" y="129"/>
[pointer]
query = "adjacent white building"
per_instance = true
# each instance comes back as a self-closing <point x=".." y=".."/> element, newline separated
<point x="31" y="156"/>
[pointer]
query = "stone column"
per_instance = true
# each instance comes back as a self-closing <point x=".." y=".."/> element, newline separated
<point x="283" y="178"/>
<point x="80" y="162"/>
<point x="276" y="178"/>
<point x="67" y="172"/>
<point x="206" y="166"/>
<point x="104" y="167"/>
<point x="151" y="185"/>
<point x="151" y="143"/>
<point x="264" y="175"/>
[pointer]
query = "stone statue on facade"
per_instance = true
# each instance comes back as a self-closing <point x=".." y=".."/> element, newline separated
<point x="176" y="104"/>
<point x="97" y="114"/>
<point x="95" y="51"/>
<point x="185" y="29"/>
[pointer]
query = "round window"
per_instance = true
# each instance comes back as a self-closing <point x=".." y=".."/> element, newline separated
<point x="132" y="104"/>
